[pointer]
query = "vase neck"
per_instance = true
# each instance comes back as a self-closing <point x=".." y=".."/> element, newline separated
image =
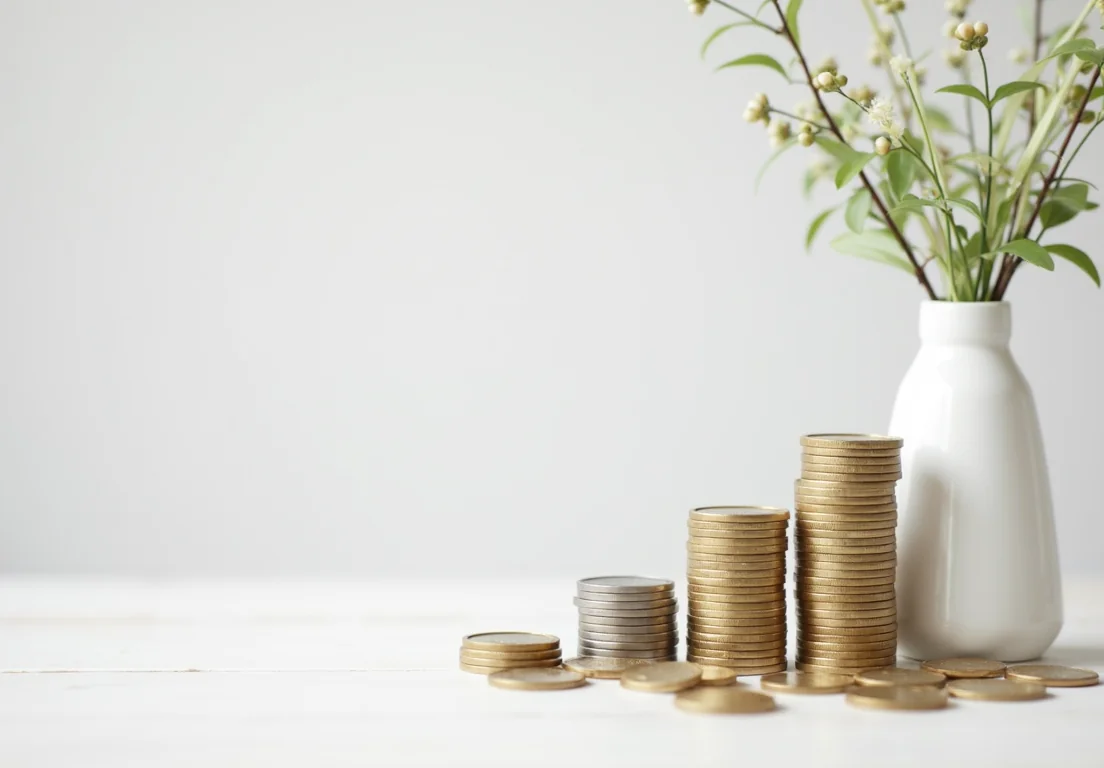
<point x="986" y="323"/>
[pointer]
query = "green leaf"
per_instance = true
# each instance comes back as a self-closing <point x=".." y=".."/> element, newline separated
<point x="770" y="161"/>
<point x="1072" y="47"/>
<point x="814" y="228"/>
<point x="1028" y="250"/>
<point x="1097" y="92"/>
<point x="980" y="158"/>
<point x="1011" y="89"/>
<point x="791" y="19"/>
<point x="1064" y="204"/>
<point x="966" y="205"/>
<point x="1077" y="257"/>
<point x="858" y="208"/>
<point x="940" y="120"/>
<point x="852" y="167"/>
<point x="720" y="31"/>
<point x="1073" y="195"/>
<point x="834" y="148"/>
<point x="1095" y="56"/>
<point x="902" y="170"/>
<point x="962" y="89"/>
<point x="756" y="60"/>
<point x="874" y="245"/>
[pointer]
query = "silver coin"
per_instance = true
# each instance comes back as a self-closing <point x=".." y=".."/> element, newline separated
<point x="662" y="628"/>
<point x="594" y="644"/>
<point x="610" y="614"/>
<point x="625" y="584"/>
<point x="624" y="597"/>
<point x="620" y="637"/>
<point x="658" y="655"/>
<point x="631" y="625"/>
<point x="624" y="605"/>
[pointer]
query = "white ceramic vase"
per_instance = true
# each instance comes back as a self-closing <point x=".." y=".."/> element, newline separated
<point x="977" y="571"/>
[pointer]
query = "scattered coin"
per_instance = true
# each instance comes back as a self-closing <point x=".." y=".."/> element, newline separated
<point x="897" y="697"/>
<point x="965" y="667"/>
<point x="996" y="689"/>
<point x="712" y="675"/>
<point x="664" y="677"/>
<point x="602" y="667"/>
<point x="723" y="701"/>
<point x="1052" y="675"/>
<point x="806" y="682"/>
<point x="537" y="679"/>
<point x="511" y="641"/>
<point x="894" y="676"/>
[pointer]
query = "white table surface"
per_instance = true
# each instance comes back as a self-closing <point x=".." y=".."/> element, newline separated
<point x="211" y="674"/>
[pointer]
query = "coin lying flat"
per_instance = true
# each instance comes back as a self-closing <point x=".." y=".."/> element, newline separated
<point x="848" y="440"/>
<point x="814" y="579"/>
<point x="488" y="669"/>
<point x="806" y="682"/>
<point x="658" y="645"/>
<point x="629" y="614"/>
<point x="733" y="533"/>
<point x="738" y="548"/>
<point x="851" y="461"/>
<point x="602" y="667"/>
<point x="656" y="654"/>
<point x="835" y="488"/>
<point x="621" y="637"/>
<point x="892" y="676"/>
<point x="664" y="677"/>
<point x="511" y="641"/>
<point x="493" y="656"/>
<point x="965" y="667"/>
<point x="725" y="639"/>
<point x="854" y="451"/>
<point x="625" y="584"/>
<point x="712" y="675"/>
<point x="723" y="701"/>
<point x="897" y="697"/>
<point x="741" y="667"/>
<point x="645" y="623"/>
<point x="555" y="679"/>
<point x="1052" y="675"/>
<point x="996" y="689"/>
<point x="727" y="514"/>
<point x="665" y="628"/>
<point x="624" y="605"/>
<point x="840" y="477"/>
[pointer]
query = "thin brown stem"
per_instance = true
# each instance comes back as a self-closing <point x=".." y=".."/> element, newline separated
<point x="834" y="128"/>
<point x="1008" y="269"/>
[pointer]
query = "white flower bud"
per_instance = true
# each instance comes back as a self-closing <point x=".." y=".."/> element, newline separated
<point x="806" y="139"/>
<point x="826" y="80"/>
<point x="981" y="28"/>
<point x="875" y="57"/>
<point x="752" y="115"/>
<point x="697" y="7"/>
<point x="882" y="146"/>
<point x="901" y="65"/>
<point x="965" y="31"/>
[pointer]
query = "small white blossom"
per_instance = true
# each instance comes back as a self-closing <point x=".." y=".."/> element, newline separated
<point x="875" y="56"/>
<point x="957" y="7"/>
<point x="901" y="65"/>
<point x="697" y="7"/>
<point x="882" y="146"/>
<point x="779" y="132"/>
<point x="881" y="115"/>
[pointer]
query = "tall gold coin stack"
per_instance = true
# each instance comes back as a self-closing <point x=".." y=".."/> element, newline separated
<point x="846" y="545"/>
<point x="736" y="569"/>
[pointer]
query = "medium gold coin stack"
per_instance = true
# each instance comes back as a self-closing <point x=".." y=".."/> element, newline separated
<point x="846" y="544"/>
<point x="488" y="652"/>
<point x="736" y="569"/>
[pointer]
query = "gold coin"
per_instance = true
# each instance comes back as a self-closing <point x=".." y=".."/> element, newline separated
<point x="758" y="656"/>
<point x="738" y="635"/>
<point x="740" y="527"/>
<point x="806" y="682"/>
<point x="555" y="679"/>
<point x="712" y="675"/>
<point x="664" y="677"/>
<point x="872" y="661"/>
<point x="738" y="610"/>
<point x="848" y="651"/>
<point x="805" y="548"/>
<point x="822" y="624"/>
<point x="757" y="559"/>
<point x="602" y="667"/>
<point x="729" y="532"/>
<point x="853" y="441"/>
<point x="847" y="563"/>
<point x="720" y="626"/>
<point x="723" y="701"/>
<point x="740" y="514"/>
<point x="822" y="613"/>
<point x="851" y="524"/>
<point x="741" y="668"/>
<point x="842" y="477"/>
<point x="915" y="698"/>
<point x="738" y="549"/>
<point x="965" y="667"/>
<point x="766" y="648"/>
<point x="851" y="461"/>
<point x="733" y="581"/>
<point x="745" y="587"/>
<point x="1052" y="675"/>
<point x="842" y="489"/>
<point x="489" y="656"/>
<point x="777" y="563"/>
<point x="996" y="690"/>
<point x="511" y="641"/>
<point x="894" y="676"/>
<point x="827" y="515"/>
<point x="484" y="669"/>
<point x="854" y="643"/>
<point x="860" y="634"/>
<point x="802" y="579"/>
<point x="856" y="452"/>
<point x="813" y="543"/>
<point x="736" y="602"/>
<point x="698" y="539"/>
<point x="846" y="536"/>
<point x="844" y="594"/>
<point x="809" y="465"/>
<point x="809" y="503"/>
<point x="818" y="601"/>
<point x="835" y="669"/>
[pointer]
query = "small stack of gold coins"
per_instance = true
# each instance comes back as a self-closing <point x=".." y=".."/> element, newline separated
<point x="489" y="652"/>
<point x="736" y="569"/>
<point x="845" y="518"/>
<point x="628" y="617"/>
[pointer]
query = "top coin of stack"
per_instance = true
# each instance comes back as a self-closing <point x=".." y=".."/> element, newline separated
<point x="736" y="571"/>
<point x="846" y="545"/>
<point x="628" y="617"/>
<point x="489" y="652"/>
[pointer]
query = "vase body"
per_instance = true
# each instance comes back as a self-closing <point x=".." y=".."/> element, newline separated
<point x="977" y="571"/>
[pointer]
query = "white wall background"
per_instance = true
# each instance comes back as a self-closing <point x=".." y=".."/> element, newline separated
<point x="363" y="288"/>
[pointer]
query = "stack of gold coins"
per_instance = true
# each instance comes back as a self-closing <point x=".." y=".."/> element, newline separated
<point x="736" y="569"/>
<point x="628" y="617"/>
<point x="845" y="518"/>
<point x="489" y="652"/>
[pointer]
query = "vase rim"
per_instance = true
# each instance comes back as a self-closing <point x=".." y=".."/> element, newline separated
<point x="971" y="322"/>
